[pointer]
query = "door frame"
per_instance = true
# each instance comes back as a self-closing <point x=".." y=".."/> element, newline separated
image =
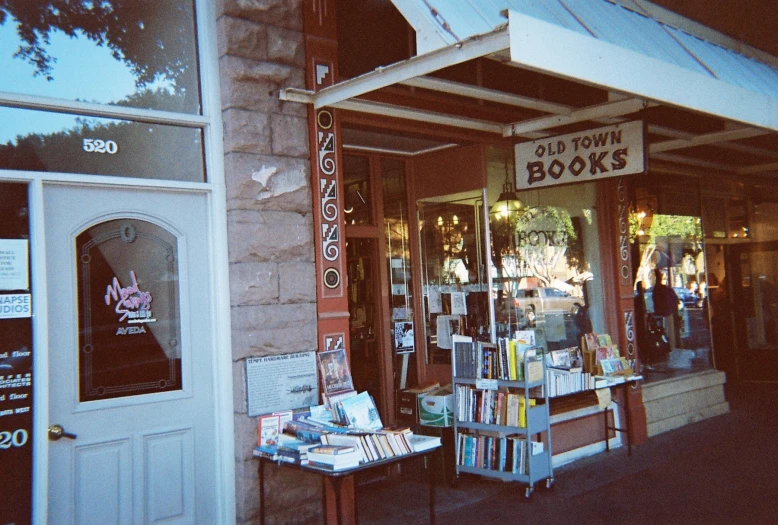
<point x="221" y="358"/>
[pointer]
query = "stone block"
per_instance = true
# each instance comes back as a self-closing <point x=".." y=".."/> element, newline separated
<point x="246" y="490"/>
<point x="289" y="135"/>
<point x="245" y="432"/>
<point x="262" y="182"/>
<point x="297" y="282"/>
<point x="254" y="283"/>
<point x="685" y="383"/>
<point x="283" y="13"/>
<point x="273" y="329"/>
<point x="255" y="85"/>
<point x="682" y="420"/>
<point x="239" y="403"/>
<point x="247" y="131"/>
<point x="285" y="46"/>
<point x="682" y="403"/>
<point x="267" y="236"/>
<point x="242" y="38"/>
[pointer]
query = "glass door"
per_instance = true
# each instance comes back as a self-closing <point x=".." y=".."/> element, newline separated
<point x="755" y="309"/>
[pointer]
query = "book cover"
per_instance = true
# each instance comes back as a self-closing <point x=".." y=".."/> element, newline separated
<point x="419" y="443"/>
<point x="335" y="372"/>
<point x="332" y="450"/>
<point x="361" y="412"/>
<point x="268" y="429"/>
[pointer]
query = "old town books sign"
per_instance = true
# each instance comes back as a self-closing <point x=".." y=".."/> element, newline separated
<point x="593" y="154"/>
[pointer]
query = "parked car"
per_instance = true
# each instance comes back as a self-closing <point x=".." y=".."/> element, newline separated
<point x="542" y="300"/>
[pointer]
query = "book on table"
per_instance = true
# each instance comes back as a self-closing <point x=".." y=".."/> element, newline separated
<point x="334" y="456"/>
<point x="361" y="412"/>
<point x="419" y="443"/>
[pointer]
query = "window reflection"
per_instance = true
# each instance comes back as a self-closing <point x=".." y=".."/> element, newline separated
<point x="100" y="146"/>
<point x="545" y="258"/>
<point x="140" y="54"/>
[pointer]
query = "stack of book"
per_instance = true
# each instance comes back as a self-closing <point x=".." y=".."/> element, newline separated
<point x="491" y="407"/>
<point x="494" y="452"/>
<point x="504" y="361"/>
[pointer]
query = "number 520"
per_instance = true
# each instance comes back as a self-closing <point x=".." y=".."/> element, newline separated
<point x="100" y="146"/>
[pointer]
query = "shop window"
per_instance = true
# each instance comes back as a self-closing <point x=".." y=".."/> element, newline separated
<point x="398" y="253"/>
<point x="129" y="322"/>
<point x="357" y="203"/>
<point x="669" y="252"/>
<point x="454" y="283"/>
<point x="139" y="54"/>
<point x="66" y="143"/>
<point x="545" y="264"/>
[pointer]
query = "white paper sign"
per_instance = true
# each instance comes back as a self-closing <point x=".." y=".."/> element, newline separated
<point x="610" y="151"/>
<point x="458" y="303"/>
<point x="14" y="306"/>
<point x="435" y="301"/>
<point x="13" y="264"/>
<point x="281" y="382"/>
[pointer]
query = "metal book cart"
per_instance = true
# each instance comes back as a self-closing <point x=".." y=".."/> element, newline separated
<point x="538" y="466"/>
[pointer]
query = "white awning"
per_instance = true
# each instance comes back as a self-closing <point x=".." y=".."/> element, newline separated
<point x="639" y="54"/>
<point x="611" y="46"/>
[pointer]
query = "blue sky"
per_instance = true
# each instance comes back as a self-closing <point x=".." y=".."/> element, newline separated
<point x="83" y="71"/>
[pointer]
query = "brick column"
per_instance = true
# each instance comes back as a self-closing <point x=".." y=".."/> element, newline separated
<point x="271" y="250"/>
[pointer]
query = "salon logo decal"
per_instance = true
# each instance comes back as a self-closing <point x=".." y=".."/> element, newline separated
<point x="131" y="304"/>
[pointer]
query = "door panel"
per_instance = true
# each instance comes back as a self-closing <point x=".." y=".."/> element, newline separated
<point x="755" y="308"/>
<point x="129" y="316"/>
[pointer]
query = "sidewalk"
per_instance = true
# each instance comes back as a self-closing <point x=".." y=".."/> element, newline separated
<point x="722" y="470"/>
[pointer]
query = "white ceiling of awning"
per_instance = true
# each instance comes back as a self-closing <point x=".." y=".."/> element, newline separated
<point x="641" y="58"/>
<point x="624" y="49"/>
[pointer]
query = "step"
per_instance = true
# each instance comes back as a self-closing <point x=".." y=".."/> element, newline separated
<point x="681" y="420"/>
<point x="679" y="385"/>
<point x="684" y="402"/>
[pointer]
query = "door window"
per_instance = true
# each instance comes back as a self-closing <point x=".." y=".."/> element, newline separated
<point x="129" y="323"/>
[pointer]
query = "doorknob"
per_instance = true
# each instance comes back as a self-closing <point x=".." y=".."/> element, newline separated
<point x="56" y="432"/>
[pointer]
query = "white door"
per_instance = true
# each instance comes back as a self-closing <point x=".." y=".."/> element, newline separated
<point x="131" y="357"/>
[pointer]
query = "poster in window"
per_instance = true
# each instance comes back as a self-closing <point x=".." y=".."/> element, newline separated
<point x="403" y="337"/>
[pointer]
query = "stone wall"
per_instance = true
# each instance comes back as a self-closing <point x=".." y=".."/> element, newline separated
<point x="271" y="252"/>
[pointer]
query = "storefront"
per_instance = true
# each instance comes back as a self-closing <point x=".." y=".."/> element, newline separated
<point x="186" y="188"/>
<point x="622" y="178"/>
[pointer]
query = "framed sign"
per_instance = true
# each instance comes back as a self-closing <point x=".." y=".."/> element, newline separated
<point x="610" y="151"/>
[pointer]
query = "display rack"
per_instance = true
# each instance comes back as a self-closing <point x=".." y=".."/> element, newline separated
<point x="498" y="444"/>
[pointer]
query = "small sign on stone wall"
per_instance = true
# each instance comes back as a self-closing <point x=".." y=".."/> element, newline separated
<point x="281" y="382"/>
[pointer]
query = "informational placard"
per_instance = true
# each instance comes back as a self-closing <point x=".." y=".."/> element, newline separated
<point x="594" y="154"/>
<point x="281" y="382"/>
<point x="14" y="265"/>
<point x="15" y="306"/>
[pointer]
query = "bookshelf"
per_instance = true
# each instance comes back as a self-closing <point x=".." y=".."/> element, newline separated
<point x="498" y="422"/>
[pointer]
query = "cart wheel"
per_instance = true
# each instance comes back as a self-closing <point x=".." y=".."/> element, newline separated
<point x="550" y="483"/>
<point x="528" y="492"/>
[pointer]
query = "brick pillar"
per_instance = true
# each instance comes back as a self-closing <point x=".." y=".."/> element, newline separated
<point x="271" y="250"/>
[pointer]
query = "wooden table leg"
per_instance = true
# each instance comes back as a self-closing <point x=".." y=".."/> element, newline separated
<point x="431" y="474"/>
<point x="261" y="491"/>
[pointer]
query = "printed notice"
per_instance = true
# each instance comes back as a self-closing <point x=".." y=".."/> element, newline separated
<point x="281" y="382"/>
<point x="14" y="272"/>
<point x="15" y="306"/>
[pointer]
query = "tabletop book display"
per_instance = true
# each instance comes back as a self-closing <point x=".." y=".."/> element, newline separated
<point x="344" y="432"/>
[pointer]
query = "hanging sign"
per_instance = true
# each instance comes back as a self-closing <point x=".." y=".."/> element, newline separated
<point x="610" y="151"/>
